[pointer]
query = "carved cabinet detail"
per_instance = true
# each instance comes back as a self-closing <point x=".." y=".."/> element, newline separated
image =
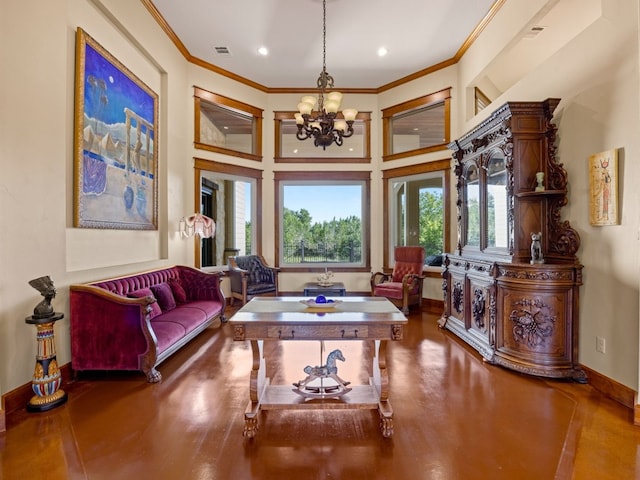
<point x="514" y="302"/>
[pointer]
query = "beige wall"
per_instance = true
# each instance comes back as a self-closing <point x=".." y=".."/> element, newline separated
<point x="37" y="41"/>
<point x="599" y="110"/>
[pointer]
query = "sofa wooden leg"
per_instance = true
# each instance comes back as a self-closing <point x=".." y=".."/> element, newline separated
<point x="153" y="375"/>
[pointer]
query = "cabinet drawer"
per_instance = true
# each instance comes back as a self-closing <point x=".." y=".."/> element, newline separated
<point x="324" y="332"/>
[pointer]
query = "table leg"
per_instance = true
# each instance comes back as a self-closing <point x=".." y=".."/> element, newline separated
<point x="386" y="418"/>
<point x="381" y="383"/>
<point x="257" y="384"/>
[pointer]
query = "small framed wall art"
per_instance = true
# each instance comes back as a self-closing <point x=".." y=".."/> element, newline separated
<point x="603" y="188"/>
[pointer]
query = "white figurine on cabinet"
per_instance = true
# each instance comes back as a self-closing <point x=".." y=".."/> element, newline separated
<point x="536" y="248"/>
<point x="540" y="180"/>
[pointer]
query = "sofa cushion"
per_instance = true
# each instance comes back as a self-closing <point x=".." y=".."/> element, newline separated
<point x="407" y="260"/>
<point x="394" y="289"/>
<point x="405" y="268"/>
<point x="186" y="316"/>
<point x="389" y="289"/>
<point x="164" y="295"/>
<point x="146" y="292"/>
<point x="209" y="307"/>
<point x="258" y="288"/>
<point x="178" y="291"/>
<point x="167" y="333"/>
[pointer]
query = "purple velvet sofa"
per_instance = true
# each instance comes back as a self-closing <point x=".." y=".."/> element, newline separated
<point x="136" y="321"/>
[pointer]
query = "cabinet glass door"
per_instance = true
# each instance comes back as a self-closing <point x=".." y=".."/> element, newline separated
<point x="497" y="215"/>
<point x="471" y="231"/>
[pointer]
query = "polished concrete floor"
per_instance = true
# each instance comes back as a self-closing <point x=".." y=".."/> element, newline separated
<point x="455" y="417"/>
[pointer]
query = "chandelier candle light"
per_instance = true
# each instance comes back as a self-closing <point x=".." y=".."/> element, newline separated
<point x="323" y="124"/>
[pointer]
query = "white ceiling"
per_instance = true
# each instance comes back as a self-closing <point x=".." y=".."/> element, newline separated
<point x="417" y="34"/>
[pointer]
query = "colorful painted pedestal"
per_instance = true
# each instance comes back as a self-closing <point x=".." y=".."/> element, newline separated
<point x="46" y="377"/>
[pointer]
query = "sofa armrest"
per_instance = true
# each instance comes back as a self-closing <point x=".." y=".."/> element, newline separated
<point x="268" y="275"/>
<point x="237" y="276"/>
<point x="109" y="331"/>
<point x="201" y="285"/>
<point x="273" y="271"/>
<point x="377" y="278"/>
<point x="265" y="272"/>
<point x="412" y="281"/>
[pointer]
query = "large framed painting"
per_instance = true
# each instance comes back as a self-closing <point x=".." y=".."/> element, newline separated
<point x="116" y="132"/>
<point x="603" y="188"/>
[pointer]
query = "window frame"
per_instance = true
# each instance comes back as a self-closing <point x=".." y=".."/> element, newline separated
<point x="282" y="178"/>
<point x="415" y="170"/>
<point x="237" y="171"/>
<point x="200" y="95"/>
<point x="279" y="116"/>
<point x="388" y="114"/>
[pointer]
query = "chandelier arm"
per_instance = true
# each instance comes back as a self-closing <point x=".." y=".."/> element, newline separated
<point x="348" y="133"/>
<point x="302" y="133"/>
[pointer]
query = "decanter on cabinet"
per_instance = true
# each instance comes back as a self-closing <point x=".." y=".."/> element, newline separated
<point x="511" y="296"/>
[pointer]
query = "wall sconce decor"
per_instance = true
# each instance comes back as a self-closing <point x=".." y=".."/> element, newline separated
<point x="197" y="224"/>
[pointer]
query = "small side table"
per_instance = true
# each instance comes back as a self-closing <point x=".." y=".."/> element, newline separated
<point x="46" y="376"/>
<point x="312" y="289"/>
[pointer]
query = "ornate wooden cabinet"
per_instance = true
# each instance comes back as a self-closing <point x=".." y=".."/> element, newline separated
<point x="514" y="300"/>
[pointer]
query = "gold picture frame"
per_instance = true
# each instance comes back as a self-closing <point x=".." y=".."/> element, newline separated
<point x="603" y="188"/>
<point x="115" y="143"/>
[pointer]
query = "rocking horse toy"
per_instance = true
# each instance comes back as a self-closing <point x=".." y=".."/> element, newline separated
<point x="327" y="371"/>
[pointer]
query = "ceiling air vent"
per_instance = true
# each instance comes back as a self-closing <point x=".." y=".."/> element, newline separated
<point x="222" y="50"/>
<point x="534" y="31"/>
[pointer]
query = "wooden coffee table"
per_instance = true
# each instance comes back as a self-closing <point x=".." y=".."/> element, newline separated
<point x="288" y="318"/>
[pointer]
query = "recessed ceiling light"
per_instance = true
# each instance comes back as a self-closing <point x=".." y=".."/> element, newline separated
<point x="382" y="51"/>
<point x="264" y="51"/>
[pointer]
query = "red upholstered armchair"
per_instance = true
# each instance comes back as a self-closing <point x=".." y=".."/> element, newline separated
<point x="404" y="285"/>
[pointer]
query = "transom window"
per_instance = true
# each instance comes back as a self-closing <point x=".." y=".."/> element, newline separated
<point x="416" y="127"/>
<point x="356" y="149"/>
<point x="227" y="126"/>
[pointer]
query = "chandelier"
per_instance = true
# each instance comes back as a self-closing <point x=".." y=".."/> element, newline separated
<point x="323" y="124"/>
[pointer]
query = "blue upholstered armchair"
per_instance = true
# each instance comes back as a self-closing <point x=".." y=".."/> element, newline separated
<point x="250" y="275"/>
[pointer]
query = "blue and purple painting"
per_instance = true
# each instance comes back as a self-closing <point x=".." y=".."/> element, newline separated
<point x="116" y="164"/>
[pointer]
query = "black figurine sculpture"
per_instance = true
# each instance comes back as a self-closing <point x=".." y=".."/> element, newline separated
<point x="48" y="290"/>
